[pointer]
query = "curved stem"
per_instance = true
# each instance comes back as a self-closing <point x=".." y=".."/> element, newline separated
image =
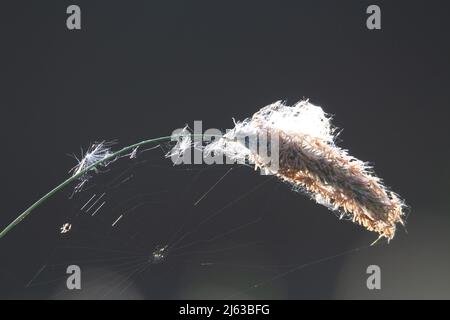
<point x="73" y="178"/>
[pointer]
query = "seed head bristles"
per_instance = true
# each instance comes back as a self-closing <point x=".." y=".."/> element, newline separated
<point x="310" y="161"/>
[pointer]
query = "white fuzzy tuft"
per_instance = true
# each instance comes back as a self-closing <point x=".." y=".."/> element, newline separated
<point x="301" y="119"/>
<point x="98" y="151"/>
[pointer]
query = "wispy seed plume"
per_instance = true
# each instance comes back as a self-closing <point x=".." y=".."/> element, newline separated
<point x="97" y="152"/>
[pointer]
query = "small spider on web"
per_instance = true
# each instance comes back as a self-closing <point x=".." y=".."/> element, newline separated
<point x="138" y="235"/>
<point x="159" y="255"/>
<point x="66" y="227"/>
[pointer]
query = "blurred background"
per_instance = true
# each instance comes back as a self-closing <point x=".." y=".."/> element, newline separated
<point x="139" y="69"/>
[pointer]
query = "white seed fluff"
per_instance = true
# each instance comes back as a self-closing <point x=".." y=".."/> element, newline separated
<point x="97" y="151"/>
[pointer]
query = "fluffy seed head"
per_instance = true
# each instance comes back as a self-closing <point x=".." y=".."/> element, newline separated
<point x="310" y="161"/>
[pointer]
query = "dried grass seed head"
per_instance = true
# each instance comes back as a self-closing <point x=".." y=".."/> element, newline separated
<point x="310" y="161"/>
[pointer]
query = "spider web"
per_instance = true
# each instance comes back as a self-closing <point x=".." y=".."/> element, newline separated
<point x="147" y="229"/>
